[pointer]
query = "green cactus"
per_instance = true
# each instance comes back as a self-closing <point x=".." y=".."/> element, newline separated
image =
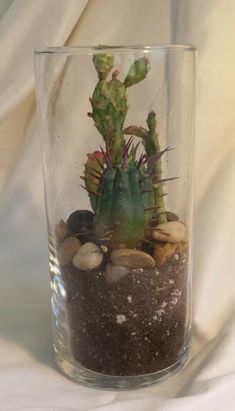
<point x="109" y="102"/>
<point x="125" y="201"/>
<point x="138" y="71"/>
<point x="126" y="190"/>
<point x="152" y="147"/>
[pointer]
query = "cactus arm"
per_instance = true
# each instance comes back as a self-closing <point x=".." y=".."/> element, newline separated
<point x="137" y="72"/>
<point x="103" y="64"/>
<point x="138" y="213"/>
<point x="109" y="104"/>
<point x="146" y="187"/>
<point x="152" y="147"/>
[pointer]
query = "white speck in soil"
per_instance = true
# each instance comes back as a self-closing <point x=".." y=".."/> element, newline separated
<point x="134" y="333"/>
<point x="177" y="257"/>
<point x="135" y="315"/>
<point x="167" y="332"/>
<point x="156" y="271"/>
<point x="156" y="353"/>
<point x="129" y="299"/>
<point x="174" y="300"/>
<point x="176" y="292"/>
<point x="171" y="282"/>
<point x="163" y="304"/>
<point x="120" y="318"/>
<point x="150" y="324"/>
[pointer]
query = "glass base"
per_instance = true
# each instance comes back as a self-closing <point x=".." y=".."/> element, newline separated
<point x="74" y="371"/>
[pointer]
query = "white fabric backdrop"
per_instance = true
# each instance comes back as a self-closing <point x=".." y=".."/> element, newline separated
<point x="29" y="379"/>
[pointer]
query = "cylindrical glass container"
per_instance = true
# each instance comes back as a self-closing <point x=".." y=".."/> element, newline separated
<point x="117" y="148"/>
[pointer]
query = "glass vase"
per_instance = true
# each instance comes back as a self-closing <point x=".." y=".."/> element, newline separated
<point x="117" y="141"/>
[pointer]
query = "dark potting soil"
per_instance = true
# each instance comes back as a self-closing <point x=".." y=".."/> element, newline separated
<point x="133" y="326"/>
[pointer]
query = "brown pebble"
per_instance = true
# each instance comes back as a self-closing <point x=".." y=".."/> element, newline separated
<point x="132" y="258"/>
<point x="170" y="232"/>
<point x="67" y="250"/>
<point x="162" y="252"/>
<point x="61" y="230"/>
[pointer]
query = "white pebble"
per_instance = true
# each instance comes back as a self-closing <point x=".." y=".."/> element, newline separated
<point x="120" y="318"/>
<point x="88" y="257"/>
<point x="129" y="299"/>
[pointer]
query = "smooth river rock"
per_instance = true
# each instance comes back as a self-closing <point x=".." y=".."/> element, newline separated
<point x="130" y="258"/>
<point x="171" y="232"/>
<point x="67" y="250"/>
<point x="88" y="257"/>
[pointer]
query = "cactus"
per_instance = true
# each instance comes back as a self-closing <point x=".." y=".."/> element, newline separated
<point x="153" y="152"/>
<point x="126" y="190"/>
<point x="109" y="101"/>
<point x="124" y="200"/>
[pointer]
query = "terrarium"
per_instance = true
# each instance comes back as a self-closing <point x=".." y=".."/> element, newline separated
<point x="117" y="148"/>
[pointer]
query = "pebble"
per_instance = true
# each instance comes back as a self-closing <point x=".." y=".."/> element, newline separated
<point x="162" y="252"/>
<point x="88" y="257"/>
<point x="61" y="230"/>
<point x="132" y="258"/>
<point x="114" y="273"/>
<point x="172" y="232"/>
<point x="171" y="216"/>
<point x="67" y="250"/>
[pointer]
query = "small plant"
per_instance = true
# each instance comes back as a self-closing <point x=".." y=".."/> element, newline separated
<point x="125" y="188"/>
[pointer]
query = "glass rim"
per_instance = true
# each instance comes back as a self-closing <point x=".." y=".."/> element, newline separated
<point x="114" y="48"/>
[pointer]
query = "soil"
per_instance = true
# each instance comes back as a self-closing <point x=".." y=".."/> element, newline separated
<point x="133" y="326"/>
